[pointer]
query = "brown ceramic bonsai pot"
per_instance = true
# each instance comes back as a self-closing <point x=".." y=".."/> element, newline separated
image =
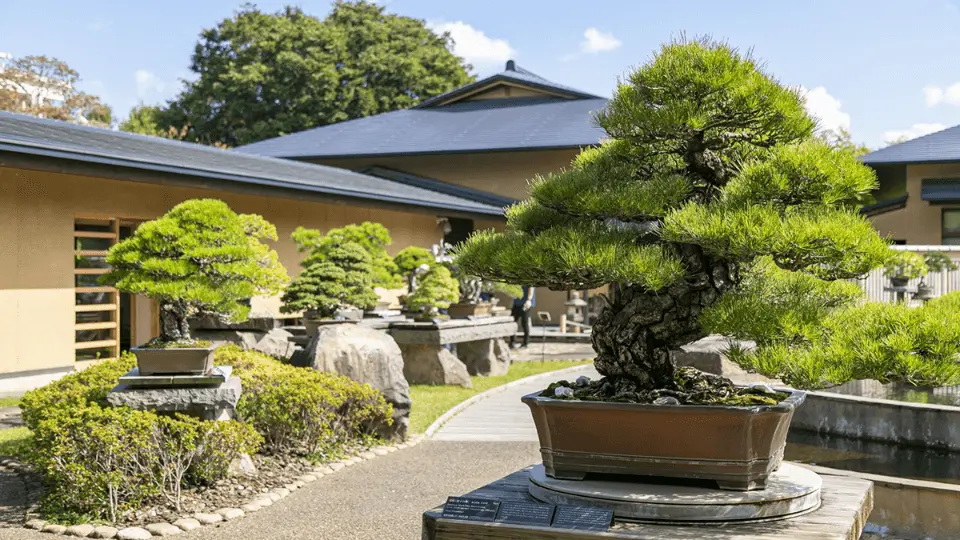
<point x="461" y="311"/>
<point x="738" y="447"/>
<point x="174" y="361"/>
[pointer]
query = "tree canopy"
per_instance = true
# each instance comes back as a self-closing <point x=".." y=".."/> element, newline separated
<point x="199" y="258"/>
<point x="262" y="75"/>
<point x="47" y="87"/>
<point x="710" y="166"/>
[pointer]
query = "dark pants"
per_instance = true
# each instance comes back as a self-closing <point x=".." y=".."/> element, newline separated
<point x="523" y="317"/>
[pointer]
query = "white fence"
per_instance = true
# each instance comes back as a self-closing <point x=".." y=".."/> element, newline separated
<point x="941" y="282"/>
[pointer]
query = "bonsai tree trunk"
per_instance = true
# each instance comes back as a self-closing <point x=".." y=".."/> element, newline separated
<point x="173" y="323"/>
<point x="634" y="334"/>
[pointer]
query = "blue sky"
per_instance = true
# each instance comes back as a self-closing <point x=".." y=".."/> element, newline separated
<point x="880" y="68"/>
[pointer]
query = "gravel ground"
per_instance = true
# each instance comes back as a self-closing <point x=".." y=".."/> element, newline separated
<point x="380" y="499"/>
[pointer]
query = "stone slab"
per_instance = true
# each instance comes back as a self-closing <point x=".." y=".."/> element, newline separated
<point x="208" y="403"/>
<point x="790" y="491"/>
<point x="217" y="376"/>
<point x="453" y="331"/>
<point x="846" y="504"/>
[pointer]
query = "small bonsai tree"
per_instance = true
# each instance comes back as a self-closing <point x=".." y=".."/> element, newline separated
<point x="409" y="260"/>
<point x="372" y="237"/>
<point x="710" y="166"/>
<point x="199" y="258"/>
<point x="904" y="266"/>
<point x="436" y="289"/>
<point x="937" y="261"/>
<point x="324" y="288"/>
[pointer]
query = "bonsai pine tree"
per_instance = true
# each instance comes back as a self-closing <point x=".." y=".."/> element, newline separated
<point x="711" y="168"/>
<point x="937" y="261"/>
<point x="342" y="280"/>
<point x="411" y="258"/>
<point x="436" y="289"/>
<point x="199" y="258"/>
<point x="372" y="237"/>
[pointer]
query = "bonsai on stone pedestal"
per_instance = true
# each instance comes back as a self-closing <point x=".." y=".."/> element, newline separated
<point x="902" y="266"/>
<point x="711" y="168"/>
<point x="200" y="258"/>
<point x="435" y="289"/>
<point x="325" y="289"/>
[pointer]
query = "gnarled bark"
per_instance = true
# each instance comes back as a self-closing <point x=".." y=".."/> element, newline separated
<point x="635" y="333"/>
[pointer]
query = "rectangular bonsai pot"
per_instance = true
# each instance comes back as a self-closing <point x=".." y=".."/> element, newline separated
<point x="184" y="361"/>
<point x="461" y="311"/>
<point x="738" y="447"/>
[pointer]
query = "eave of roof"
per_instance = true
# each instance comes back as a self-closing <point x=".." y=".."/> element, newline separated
<point x="438" y="186"/>
<point x="940" y="147"/>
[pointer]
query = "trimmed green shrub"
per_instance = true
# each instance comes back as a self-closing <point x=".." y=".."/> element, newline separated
<point x="435" y="289"/>
<point x="343" y="279"/>
<point x="299" y="410"/>
<point x="410" y="258"/>
<point x="372" y="237"/>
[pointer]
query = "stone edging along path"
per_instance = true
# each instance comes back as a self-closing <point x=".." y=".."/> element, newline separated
<point x="189" y="523"/>
<point x="259" y="501"/>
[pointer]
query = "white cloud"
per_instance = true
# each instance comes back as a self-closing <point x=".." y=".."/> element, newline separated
<point x="597" y="41"/>
<point x="935" y="95"/>
<point x="99" y="24"/>
<point x="912" y="132"/>
<point x="149" y="86"/>
<point x="474" y="46"/>
<point x="826" y="108"/>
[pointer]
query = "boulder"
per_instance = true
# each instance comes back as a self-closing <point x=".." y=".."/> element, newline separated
<point x="275" y="342"/>
<point x="366" y="356"/>
<point x="487" y="357"/>
<point x="430" y="364"/>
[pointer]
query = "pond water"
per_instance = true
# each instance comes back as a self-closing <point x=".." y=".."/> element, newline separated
<point x="943" y="395"/>
<point x="872" y="457"/>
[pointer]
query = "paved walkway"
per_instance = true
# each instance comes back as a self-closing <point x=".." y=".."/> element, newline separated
<point x="501" y="417"/>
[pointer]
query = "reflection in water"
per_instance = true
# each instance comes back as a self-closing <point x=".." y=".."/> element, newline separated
<point x="944" y="395"/>
<point x="872" y="457"/>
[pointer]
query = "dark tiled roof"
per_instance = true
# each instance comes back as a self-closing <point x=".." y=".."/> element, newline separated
<point x="940" y="190"/>
<point x="942" y="146"/>
<point x="38" y="137"/>
<point x="522" y="123"/>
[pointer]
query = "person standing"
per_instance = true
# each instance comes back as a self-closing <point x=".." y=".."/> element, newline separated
<point x="521" y="314"/>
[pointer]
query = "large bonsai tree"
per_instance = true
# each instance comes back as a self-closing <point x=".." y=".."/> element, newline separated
<point x="343" y="279"/>
<point x="710" y="169"/>
<point x="201" y="257"/>
<point x="373" y="237"/>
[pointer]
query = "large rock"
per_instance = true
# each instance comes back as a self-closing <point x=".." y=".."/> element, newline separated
<point x="276" y="342"/>
<point x="366" y="356"/>
<point x="431" y="364"/>
<point x="487" y="357"/>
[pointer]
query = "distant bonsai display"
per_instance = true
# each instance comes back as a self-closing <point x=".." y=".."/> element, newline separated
<point x="409" y="260"/>
<point x="905" y="265"/>
<point x="199" y="258"/>
<point x="436" y="289"/>
<point x="710" y="167"/>
<point x="937" y="261"/>
<point x="372" y="237"/>
<point x="323" y="288"/>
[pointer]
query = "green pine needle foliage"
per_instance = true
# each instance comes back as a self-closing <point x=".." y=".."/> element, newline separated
<point x="410" y="258"/>
<point x="200" y="257"/>
<point x="435" y="289"/>
<point x="372" y="237"/>
<point x="343" y="279"/>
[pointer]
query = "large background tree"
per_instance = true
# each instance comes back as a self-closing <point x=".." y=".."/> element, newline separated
<point x="28" y="86"/>
<point x="261" y="75"/>
<point x="711" y="171"/>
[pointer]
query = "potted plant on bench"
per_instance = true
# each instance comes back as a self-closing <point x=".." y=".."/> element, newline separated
<point x="325" y="289"/>
<point x="435" y="289"/>
<point x="937" y="262"/>
<point x="902" y="266"/>
<point x="200" y="258"/>
<point x="710" y="167"/>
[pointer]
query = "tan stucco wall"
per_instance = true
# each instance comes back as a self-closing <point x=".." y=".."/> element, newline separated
<point x="919" y="222"/>
<point x="36" y="251"/>
<point x="502" y="173"/>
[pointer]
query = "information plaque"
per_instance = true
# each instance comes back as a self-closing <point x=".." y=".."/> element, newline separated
<point x="470" y="509"/>
<point x="525" y="513"/>
<point x="583" y="518"/>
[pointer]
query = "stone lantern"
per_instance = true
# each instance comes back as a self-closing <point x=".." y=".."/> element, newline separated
<point x="574" y="313"/>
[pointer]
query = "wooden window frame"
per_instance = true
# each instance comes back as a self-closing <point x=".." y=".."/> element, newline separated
<point x="113" y="306"/>
<point x="943" y="230"/>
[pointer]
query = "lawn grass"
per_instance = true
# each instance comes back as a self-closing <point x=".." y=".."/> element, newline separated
<point x="14" y="441"/>
<point x="431" y="401"/>
<point x="9" y="402"/>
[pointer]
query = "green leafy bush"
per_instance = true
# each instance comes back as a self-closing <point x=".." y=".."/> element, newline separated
<point x="343" y="279"/>
<point x="300" y="410"/>
<point x="410" y="258"/>
<point x="938" y="262"/>
<point x="372" y="237"/>
<point x="199" y="258"/>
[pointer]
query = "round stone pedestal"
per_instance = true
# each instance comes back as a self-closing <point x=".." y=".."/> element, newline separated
<point x="790" y="491"/>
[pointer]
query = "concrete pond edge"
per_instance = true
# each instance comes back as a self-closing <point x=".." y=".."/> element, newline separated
<point x="190" y="522"/>
<point x="459" y="407"/>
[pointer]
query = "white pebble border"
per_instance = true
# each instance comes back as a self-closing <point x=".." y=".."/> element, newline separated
<point x="195" y="521"/>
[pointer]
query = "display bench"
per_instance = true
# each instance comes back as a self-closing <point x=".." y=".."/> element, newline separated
<point x="845" y="504"/>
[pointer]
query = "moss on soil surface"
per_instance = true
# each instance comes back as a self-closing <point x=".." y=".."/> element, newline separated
<point x="431" y="401"/>
<point x="197" y="344"/>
